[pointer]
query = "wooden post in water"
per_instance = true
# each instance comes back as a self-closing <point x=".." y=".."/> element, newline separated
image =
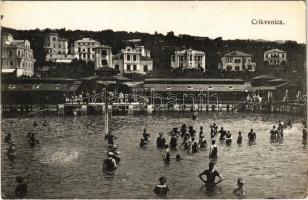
<point x="106" y="113"/>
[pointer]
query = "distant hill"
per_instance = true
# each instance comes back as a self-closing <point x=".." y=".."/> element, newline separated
<point x="163" y="46"/>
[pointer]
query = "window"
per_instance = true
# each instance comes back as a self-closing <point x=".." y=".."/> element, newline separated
<point x="92" y="56"/>
<point x="229" y="68"/>
<point x="145" y="68"/>
<point x="79" y="49"/>
<point x="266" y="56"/>
<point x="134" y="57"/>
<point x="54" y="38"/>
<point x="128" y="57"/>
<point x="181" y="58"/>
<point x="199" y="65"/>
<point x="54" y="45"/>
<point x="190" y="57"/>
<point x="229" y="60"/>
<point x="134" y="67"/>
<point x="103" y="52"/>
<point x="181" y="65"/>
<point x="104" y="62"/>
<point x="116" y="67"/>
<point x="282" y="55"/>
<point x="10" y="53"/>
<point x="128" y="67"/>
<point x="237" y="68"/>
<point x="237" y="60"/>
<point x="89" y="49"/>
<point x="11" y="63"/>
<point x="249" y="67"/>
<point x="173" y="58"/>
<point x="59" y="45"/>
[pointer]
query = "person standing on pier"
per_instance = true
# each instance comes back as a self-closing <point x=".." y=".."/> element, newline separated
<point x="252" y="135"/>
<point x="211" y="175"/>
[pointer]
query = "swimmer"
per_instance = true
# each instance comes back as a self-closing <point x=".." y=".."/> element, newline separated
<point x="183" y="129"/>
<point x="161" y="189"/>
<point x="167" y="156"/>
<point x="178" y="157"/>
<point x="222" y="133"/>
<point x="109" y="163"/>
<point x="110" y="138"/>
<point x="202" y="142"/>
<point x="274" y="133"/>
<point x="8" y="138"/>
<point x="201" y="131"/>
<point x="173" y="142"/>
<point x="228" y="138"/>
<point x="35" y="124"/>
<point x="240" y="190"/>
<point x="191" y="131"/>
<point x="160" y="141"/>
<point x="21" y="188"/>
<point x="211" y="175"/>
<point x="194" y="147"/>
<point x="239" y="138"/>
<point x="213" y="150"/>
<point x="251" y="135"/>
<point x="145" y="135"/>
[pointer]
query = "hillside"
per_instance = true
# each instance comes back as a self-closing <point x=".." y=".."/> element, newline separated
<point x="162" y="46"/>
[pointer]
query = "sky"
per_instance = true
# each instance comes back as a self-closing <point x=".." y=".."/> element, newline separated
<point x="229" y="20"/>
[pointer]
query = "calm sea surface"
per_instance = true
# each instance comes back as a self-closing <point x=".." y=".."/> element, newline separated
<point x="68" y="161"/>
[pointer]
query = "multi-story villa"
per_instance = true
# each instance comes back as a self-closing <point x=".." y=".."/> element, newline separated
<point x="275" y="57"/>
<point x="133" y="60"/>
<point x="103" y="56"/>
<point x="84" y="49"/>
<point x="188" y="59"/>
<point x="17" y="55"/>
<point x="237" y="61"/>
<point x="56" y="49"/>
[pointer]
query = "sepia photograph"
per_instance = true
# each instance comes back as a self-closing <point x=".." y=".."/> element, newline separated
<point x="153" y="100"/>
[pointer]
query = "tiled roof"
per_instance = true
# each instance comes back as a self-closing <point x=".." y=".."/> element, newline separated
<point x="185" y="51"/>
<point x="275" y="50"/>
<point x="236" y="53"/>
<point x="86" y="40"/>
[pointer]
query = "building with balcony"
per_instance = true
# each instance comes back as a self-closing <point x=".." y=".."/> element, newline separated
<point x="103" y="56"/>
<point x="84" y="49"/>
<point x="237" y="61"/>
<point x="17" y="56"/>
<point x="188" y="59"/>
<point x="56" y="49"/>
<point x="133" y="60"/>
<point x="275" y="57"/>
